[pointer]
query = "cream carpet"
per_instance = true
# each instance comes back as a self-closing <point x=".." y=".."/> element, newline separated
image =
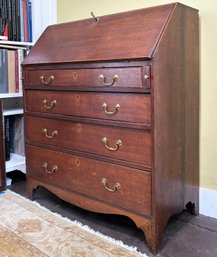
<point x="29" y="230"/>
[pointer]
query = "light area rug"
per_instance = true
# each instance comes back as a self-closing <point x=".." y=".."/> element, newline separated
<point x="29" y="230"/>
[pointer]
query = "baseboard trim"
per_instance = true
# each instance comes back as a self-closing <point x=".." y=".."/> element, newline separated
<point x="208" y="202"/>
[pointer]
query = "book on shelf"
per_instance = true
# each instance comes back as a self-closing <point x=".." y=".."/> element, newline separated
<point x="29" y="19"/>
<point x="7" y="137"/>
<point x="11" y="71"/>
<point x="9" y="20"/>
<point x="14" y="135"/>
<point x="3" y="71"/>
<point x="16" y="20"/>
<point x="11" y="58"/>
<point x="18" y="135"/>
<point x="20" y="58"/>
<point x="4" y="20"/>
<point x="21" y="22"/>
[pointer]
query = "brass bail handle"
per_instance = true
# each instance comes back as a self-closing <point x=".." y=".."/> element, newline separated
<point x="117" y="186"/>
<point x="53" y="133"/>
<point x="51" y="106"/>
<point x="54" y="168"/>
<point x="103" y="79"/>
<point x="106" y="111"/>
<point x="44" y="82"/>
<point x="118" y="143"/>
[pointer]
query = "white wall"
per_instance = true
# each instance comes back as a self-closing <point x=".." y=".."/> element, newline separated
<point x="44" y="13"/>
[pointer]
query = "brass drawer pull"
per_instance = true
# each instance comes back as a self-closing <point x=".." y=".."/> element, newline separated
<point x="117" y="144"/>
<point x="52" y="104"/>
<point x="103" y="80"/>
<point x="117" y="186"/>
<point x="50" y="79"/>
<point x="105" y="108"/>
<point x="54" y="168"/>
<point x="53" y="133"/>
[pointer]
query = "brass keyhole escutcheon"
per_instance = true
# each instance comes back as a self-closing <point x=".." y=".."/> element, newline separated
<point x="78" y="128"/>
<point x="77" y="162"/>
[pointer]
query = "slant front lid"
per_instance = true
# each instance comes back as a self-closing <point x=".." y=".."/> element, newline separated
<point x="128" y="35"/>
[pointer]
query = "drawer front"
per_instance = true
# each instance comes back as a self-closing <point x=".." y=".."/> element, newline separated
<point x="119" y="107"/>
<point x="130" y="145"/>
<point x="94" y="178"/>
<point x="106" y="77"/>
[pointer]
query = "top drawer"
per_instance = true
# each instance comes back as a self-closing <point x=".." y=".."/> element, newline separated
<point x="132" y="77"/>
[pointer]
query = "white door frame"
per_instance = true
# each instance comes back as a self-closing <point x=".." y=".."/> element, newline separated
<point x="44" y="13"/>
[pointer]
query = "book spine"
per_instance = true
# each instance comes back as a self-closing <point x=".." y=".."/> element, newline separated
<point x="18" y="135"/>
<point x="7" y="138"/>
<point x="11" y="132"/>
<point x="20" y="60"/>
<point x="29" y="16"/>
<point x="17" y="75"/>
<point x="5" y="19"/>
<point x="18" y="20"/>
<point x="1" y="18"/>
<point x="9" y="16"/>
<point x="11" y="71"/>
<point x="13" y="18"/>
<point x="25" y="21"/>
<point x="21" y="22"/>
<point x="3" y="71"/>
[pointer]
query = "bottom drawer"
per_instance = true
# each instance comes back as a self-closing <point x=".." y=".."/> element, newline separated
<point x="125" y="187"/>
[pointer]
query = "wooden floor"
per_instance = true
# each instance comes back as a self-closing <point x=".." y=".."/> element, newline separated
<point x="184" y="236"/>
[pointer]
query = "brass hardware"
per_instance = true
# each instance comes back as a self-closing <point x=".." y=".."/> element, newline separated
<point x="50" y="79"/>
<point x="117" y="144"/>
<point x="53" y="133"/>
<point x="117" y="186"/>
<point x="94" y="17"/>
<point x="105" y="108"/>
<point x="52" y="104"/>
<point x="103" y="80"/>
<point x="77" y="162"/>
<point x="78" y="128"/>
<point x="146" y="76"/>
<point x="54" y="168"/>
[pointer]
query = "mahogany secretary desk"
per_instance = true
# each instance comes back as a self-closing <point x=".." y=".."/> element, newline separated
<point x="111" y="114"/>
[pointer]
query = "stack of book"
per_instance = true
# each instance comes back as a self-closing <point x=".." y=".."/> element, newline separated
<point x="10" y="70"/>
<point x="13" y="135"/>
<point x="16" y="20"/>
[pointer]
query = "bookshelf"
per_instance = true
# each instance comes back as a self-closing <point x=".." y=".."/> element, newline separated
<point x="12" y="108"/>
<point x="12" y="111"/>
<point x="11" y="104"/>
<point x="11" y="95"/>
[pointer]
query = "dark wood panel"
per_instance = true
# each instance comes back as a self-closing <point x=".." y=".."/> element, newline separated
<point x="170" y="87"/>
<point x="128" y="35"/>
<point x="113" y="77"/>
<point x="135" y="144"/>
<point x="125" y="107"/>
<point x="85" y="176"/>
<point x="191" y="173"/>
